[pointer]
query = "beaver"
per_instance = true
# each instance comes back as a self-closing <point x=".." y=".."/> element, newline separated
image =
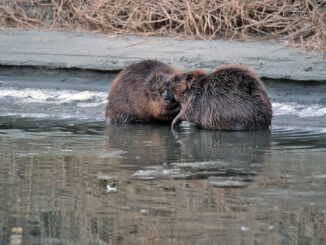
<point x="230" y="98"/>
<point x="137" y="94"/>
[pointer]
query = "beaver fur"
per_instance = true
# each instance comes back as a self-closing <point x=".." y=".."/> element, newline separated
<point x="137" y="94"/>
<point x="229" y="98"/>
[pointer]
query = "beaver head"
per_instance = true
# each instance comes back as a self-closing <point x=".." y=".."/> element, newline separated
<point x="160" y="91"/>
<point x="178" y="84"/>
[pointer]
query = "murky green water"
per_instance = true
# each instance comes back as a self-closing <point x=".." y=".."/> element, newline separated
<point x="65" y="178"/>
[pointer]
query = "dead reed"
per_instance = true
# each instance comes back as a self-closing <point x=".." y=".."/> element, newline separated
<point x="301" y="22"/>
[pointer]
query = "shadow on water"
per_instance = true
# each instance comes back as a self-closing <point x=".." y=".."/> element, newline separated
<point x="228" y="159"/>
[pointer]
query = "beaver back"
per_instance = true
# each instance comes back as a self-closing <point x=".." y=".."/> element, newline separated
<point x="133" y="96"/>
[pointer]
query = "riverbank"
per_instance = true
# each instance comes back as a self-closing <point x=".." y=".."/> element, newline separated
<point x="54" y="49"/>
<point x="301" y="23"/>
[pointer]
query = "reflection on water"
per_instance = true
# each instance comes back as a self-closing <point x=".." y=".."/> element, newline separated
<point x="65" y="178"/>
<point x="191" y="153"/>
<point x="53" y="184"/>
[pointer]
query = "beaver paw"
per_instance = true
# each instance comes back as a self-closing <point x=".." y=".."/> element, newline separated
<point x="177" y="120"/>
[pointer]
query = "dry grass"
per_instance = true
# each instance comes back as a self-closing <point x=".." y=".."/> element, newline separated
<point x="302" y="22"/>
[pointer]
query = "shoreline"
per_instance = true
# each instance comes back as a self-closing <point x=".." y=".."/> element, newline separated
<point x="93" y="51"/>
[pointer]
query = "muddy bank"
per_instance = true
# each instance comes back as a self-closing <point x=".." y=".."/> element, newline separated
<point x="99" y="52"/>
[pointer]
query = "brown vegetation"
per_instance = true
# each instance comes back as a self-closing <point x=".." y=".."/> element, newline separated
<point x="302" y="22"/>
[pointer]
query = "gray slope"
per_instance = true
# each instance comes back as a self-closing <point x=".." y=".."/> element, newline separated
<point x="95" y="51"/>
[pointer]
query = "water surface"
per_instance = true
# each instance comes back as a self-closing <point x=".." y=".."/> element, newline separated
<point x="65" y="178"/>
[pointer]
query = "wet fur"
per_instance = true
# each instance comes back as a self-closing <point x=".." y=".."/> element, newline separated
<point x="136" y="94"/>
<point x="230" y="98"/>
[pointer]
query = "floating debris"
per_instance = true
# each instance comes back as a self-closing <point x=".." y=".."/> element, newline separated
<point x="245" y="228"/>
<point x="228" y="181"/>
<point x="144" y="211"/>
<point x="145" y="174"/>
<point x="219" y="173"/>
<point x="106" y="177"/>
<point x="110" y="189"/>
<point x="156" y="172"/>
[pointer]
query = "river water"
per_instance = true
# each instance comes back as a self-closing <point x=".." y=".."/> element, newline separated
<point x="65" y="178"/>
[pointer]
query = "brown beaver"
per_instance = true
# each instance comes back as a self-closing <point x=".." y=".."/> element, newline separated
<point x="230" y="98"/>
<point x="137" y="94"/>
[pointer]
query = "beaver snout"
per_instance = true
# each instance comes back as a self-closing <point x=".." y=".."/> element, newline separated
<point x="168" y="98"/>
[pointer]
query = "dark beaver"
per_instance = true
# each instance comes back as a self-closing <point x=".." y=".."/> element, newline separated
<point x="137" y="94"/>
<point x="230" y="98"/>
